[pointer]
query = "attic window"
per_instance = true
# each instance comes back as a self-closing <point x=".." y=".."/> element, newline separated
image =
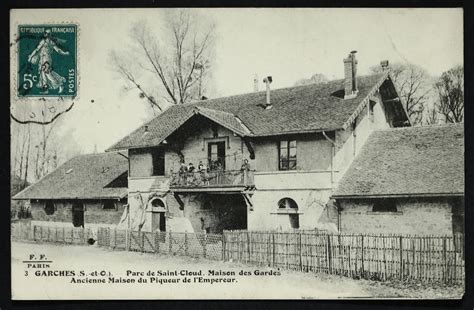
<point x="105" y="169"/>
<point x="69" y="171"/>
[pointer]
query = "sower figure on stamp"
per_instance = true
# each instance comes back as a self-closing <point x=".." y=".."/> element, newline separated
<point x="41" y="55"/>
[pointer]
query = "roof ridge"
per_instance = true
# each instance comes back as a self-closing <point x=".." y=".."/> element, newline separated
<point x="276" y="89"/>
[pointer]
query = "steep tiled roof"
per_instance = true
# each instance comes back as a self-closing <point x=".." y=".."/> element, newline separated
<point x="307" y="108"/>
<point x="82" y="177"/>
<point x="409" y="161"/>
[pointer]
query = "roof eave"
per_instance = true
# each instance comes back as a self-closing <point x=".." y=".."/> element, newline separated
<point x="121" y="196"/>
<point x="365" y="101"/>
<point x="402" y="195"/>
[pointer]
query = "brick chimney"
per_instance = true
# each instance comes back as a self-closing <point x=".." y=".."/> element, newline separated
<point x="350" y="76"/>
<point x="384" y="64"/>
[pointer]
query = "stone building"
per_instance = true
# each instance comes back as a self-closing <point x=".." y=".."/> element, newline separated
<point x="297" y="141"/>
<point x="86" y="191"/>
<point x="408" y="180"/>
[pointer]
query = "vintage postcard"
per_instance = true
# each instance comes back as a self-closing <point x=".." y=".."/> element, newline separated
<point x="237" y="153"/>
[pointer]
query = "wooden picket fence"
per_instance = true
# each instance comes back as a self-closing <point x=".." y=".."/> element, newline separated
<point x="376" y="257"/>
<point x="208" y="246"/>
<point x="428" y="259"/>
<point x="53" y="234"/>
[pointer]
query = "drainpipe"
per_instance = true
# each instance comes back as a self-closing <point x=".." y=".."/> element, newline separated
<point x="333" y="154"/>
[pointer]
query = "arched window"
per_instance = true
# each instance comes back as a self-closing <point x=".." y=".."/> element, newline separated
<point x="287" y="203"/>
<point x="291" y="206"/>
<point x="158" y="203"/>
<point x="49" y="208"/>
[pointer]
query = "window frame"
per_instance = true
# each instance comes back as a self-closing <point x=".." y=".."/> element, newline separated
<point x="158" y="156"/>
<point x="109" y="201"/>
<point x="383" y="202"/>
<point x="288" y="147"/>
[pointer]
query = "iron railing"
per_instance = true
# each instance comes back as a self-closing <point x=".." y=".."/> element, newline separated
<point x="225" y="178"/>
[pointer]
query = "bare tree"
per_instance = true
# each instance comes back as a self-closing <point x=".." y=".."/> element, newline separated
<point x="317" y="78"/>
<point x="179" y="59"/>
<point x="450" y="87"/>
<point x="412" y="83"/>
<point x="432" y="116"/>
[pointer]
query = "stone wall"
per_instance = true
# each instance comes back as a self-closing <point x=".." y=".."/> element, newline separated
<point x="94" y="212"/>
<point x="267" y="216"/>
<point x="414" y="216"/>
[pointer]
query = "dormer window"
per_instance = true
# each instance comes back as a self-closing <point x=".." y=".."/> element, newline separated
<point x="287" y="155"/>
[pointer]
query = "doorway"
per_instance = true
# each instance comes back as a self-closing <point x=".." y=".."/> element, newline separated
<point x="78" y="215"/>
<point x="158" y="221"/>
<point x="216" y="155"/>
<point x="158" y="215"/>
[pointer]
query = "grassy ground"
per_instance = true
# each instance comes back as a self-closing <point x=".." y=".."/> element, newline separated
<point x="287" y="285"/>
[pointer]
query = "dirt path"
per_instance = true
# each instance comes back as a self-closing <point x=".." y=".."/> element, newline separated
<point x="68" y="259"/>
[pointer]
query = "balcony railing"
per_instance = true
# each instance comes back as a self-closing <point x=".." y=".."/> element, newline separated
<point x="227" y="178"/>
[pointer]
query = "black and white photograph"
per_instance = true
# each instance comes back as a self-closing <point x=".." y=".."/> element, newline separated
<point x="237" y="153"/>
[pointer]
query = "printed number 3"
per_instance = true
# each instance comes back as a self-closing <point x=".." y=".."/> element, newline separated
<point x="28" y="78"/>
<point x="26" y="273"/>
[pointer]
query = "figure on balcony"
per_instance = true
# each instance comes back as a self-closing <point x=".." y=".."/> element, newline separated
<point x="182" y="173"/>
<point x="244" y="169"/>
<point x="245" y="166"/>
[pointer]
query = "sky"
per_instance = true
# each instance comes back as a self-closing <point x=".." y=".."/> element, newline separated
<point x="288" y="44"/>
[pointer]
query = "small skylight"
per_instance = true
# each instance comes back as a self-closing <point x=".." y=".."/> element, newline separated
<point x="69" y="171"/>
<point x="105" y="169"/>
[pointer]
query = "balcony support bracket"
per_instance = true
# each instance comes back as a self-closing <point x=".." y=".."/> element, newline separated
<point x="179" y="200"/>
<point x="250" y="148"/>
<point x="248" y="200"/>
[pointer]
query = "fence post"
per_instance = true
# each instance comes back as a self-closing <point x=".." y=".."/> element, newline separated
<point x="445" y="266"/>
<point x="273" y="249"/>
<point x="301" y="252"/>
<point x="34" y="232"/>
<point x="115" y="238"/>
<point x="329" y="253"/>
<point x="127" y="239"/>
<point x="205" y="246"/>
<point x="401" y="257"/>
<point x="248" y="246"/>
<point x="224" y="245"/>
<point x="186" y="243"/>
<point x="170" y="244"/>
<point x="362" y="263"/>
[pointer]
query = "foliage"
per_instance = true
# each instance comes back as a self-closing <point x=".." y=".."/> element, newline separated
<point x="412" y="84"/>
<point x="450" y="87"/>
<point x="317" y="78"/>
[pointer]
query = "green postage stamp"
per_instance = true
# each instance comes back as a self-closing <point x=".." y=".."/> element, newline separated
<point x="47" y="61"/>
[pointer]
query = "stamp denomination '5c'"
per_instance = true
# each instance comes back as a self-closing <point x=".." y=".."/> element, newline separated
<point x="47" y="61"/>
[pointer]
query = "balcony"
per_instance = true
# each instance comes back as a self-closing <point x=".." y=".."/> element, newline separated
<point x="215" y="181"/>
